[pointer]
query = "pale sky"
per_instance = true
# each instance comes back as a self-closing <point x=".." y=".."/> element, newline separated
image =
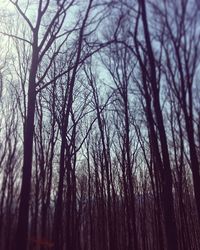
<point x="6" y="5"/>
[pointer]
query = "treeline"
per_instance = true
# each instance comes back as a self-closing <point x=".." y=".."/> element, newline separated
<point x="100" y="125"/>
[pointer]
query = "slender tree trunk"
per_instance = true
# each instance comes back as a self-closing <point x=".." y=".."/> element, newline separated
<point x="23" y="219"/>
<point x="169" y="214"/>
